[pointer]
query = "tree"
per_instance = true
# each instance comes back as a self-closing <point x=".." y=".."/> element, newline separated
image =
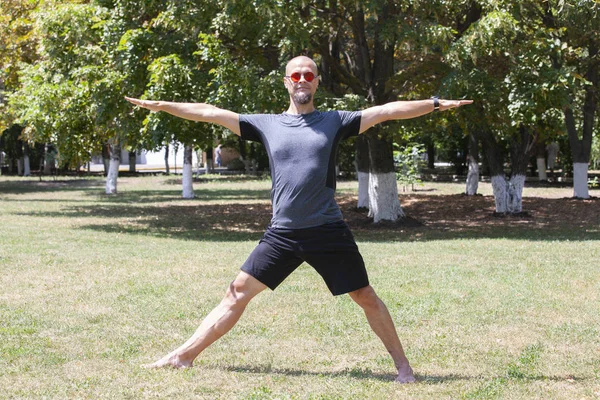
<point x="498" y="62"/>
<point x="17" y="46"/>
<point x="574" y="29"/>
<point x="171" y="78"/>
<point x="380" y="51"/>
<point x="52" y="100"/>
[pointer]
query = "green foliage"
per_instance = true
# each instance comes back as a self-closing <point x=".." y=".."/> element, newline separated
<point x="55" y="100"/>
<point x="86" y="56"/>
<point x="170" y="78"/>
<point x="408" y="164"/>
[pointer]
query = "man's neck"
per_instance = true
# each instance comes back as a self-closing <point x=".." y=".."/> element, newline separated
<point x="296" y="108"/>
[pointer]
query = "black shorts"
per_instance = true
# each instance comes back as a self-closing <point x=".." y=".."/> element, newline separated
<point x="330" y="249"/>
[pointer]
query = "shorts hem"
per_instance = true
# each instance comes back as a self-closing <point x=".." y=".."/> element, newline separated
<point x="352" y="289"/>
<point x="251" y="273"/>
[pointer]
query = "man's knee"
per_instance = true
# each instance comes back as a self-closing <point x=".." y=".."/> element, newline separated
<point x="241" y="290"/>
<point x="365" y="297"/>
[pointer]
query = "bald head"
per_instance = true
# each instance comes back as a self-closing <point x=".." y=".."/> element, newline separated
<point x="299" y="62"/>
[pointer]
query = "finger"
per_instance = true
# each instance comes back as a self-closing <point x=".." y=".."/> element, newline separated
<point x="133" y="101"/>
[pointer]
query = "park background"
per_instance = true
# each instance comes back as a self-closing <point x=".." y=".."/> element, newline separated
<point x="483" y="245"/>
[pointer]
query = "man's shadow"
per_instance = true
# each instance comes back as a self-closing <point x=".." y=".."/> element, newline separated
<point x="353" y="373"/>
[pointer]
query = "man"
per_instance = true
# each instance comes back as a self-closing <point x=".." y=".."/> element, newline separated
<point x="218" y="155"/>
<point x="307" y="224"/>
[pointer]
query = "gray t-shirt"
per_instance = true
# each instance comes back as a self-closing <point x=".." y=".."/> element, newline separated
<point x="302" y="151"/>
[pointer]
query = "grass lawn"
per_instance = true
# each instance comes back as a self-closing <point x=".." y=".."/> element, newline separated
<point x="93" y="286"/>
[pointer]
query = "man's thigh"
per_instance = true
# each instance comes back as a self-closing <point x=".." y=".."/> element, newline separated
<point x="335" y="256"/>
<point x="271" y="264"/>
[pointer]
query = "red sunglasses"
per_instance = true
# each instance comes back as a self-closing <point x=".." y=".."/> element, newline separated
<point x="296" y="76"/>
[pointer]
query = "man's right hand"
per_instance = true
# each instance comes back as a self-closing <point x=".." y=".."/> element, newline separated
<point x="148" y="104"/>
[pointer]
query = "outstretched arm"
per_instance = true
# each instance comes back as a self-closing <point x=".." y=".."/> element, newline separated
<point x="193" y="111"/>
<point x="404" y="110"/>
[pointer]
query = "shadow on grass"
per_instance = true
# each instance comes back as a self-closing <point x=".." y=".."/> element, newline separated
<point x="215" y="222"/>
<point x="150" y="196"/>
<point x="353" y="373"/>
<point x="163" y="213"/>
<point x="49" y="185"/>
<point x="358" y="373"/>
<point x="236" y="221"/>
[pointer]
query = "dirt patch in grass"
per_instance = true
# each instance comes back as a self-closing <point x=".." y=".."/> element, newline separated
<point x="427" y="217"/>
<point x="476" y="214"/>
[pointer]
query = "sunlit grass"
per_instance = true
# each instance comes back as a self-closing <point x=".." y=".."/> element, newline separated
<point x="92" y="286"/>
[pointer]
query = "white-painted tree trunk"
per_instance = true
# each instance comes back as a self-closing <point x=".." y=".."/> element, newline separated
<point x="500" y="189"/>
<point x="111" y="177"/>
<point x="472" y="177"/>
<point x="26" y="166"/>
<point x="188" y="188"/>
<point x="20" y="164"/>
<point x="188" y="173"/>
<point x="48" y="160"/>
<point x="508" y="195"/>
<point x="515" y="193"/>
<point x="580" y="181"/>
<point x="541" y="167"/>
<point x="363" y="189"/>
<point x="383" y="197"/>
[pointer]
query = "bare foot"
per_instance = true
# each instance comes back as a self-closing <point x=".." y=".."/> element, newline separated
<point x="405" y="374"/>
<point x="171" y="360"/>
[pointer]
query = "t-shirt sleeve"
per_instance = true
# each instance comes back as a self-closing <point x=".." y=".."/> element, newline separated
<point x="350" y="123"/>
<point x="249" y="128"/>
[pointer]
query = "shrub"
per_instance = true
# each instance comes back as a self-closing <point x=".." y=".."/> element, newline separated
<point x="236" y="165"/>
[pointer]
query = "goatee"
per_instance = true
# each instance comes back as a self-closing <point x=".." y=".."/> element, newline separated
<point x="302" y="97"/>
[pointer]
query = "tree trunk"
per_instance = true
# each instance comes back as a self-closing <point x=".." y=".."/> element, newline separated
<point x="167" y="169"/>
<point x="383" y="187"/>
<point x="473" y="161"/>
<point x="243" y="155"/>
<point x="26" y="166"/>
<point x="254" y="163"/>
<point x="208" y="166"/>
<point x="132" y="159"/>
<point x="113" y="171"/>
<point x="48" y="159"/>
<point x="362" y="171"/>
<point x="175" y="149"/>
<point x="430" y="154"/>
<point x="199" y="158"/>
<point x="580" y="181"/>
<point x="508" y="194"/>
<point x="495" y="161"/>
<point x="581" y="148"/>
<point x="521" y="148"/>
<point x="540" y="160"/>
<point x="20" y="164"/>
<point x="188" y="189"/>
<point x="26" y="162"/>
<point x="106" y="158"/>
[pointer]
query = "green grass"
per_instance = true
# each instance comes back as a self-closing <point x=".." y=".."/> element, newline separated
<point x="93" y="286"/>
